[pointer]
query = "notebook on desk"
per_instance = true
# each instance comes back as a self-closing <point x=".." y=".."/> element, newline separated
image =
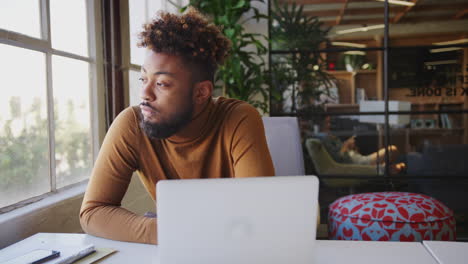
<point x="244" y="220"/>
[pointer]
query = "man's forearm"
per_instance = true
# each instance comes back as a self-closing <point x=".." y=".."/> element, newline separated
<point x="117" y="223"/>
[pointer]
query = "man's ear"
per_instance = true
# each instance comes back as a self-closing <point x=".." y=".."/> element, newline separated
<point x="203" y="91"/>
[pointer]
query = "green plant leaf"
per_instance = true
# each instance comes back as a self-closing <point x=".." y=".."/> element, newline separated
<point x="240" y="4"/>
<point x="230" y="32"/>
<point x="244" y="75"/>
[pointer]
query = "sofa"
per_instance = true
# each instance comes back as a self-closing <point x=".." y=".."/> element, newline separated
<point x="450" y="162"/>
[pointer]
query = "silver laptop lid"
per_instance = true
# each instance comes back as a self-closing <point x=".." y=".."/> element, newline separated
<point x="241" y="220"/>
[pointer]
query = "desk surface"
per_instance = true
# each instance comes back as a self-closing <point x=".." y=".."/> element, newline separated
<point x="350" y="252"/>
<point x="448" y="252"/>
<point x="328" y="251"/>
<point x="126" y="252"/>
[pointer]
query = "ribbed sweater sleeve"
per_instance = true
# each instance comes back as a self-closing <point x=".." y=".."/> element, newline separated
<point x="100" y="213"/>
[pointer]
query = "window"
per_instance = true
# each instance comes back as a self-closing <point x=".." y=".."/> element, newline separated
<point x="140" y="12"/>
<point x="413" y="58"/>
<point x="47" y="136"/>
<point x="22" y="17"/>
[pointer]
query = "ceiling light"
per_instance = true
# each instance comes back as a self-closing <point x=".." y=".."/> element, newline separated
<point x="348" y="44"/>
<point x="398" y="2"/>
<point x="360" y="29"/>
<point x="355" y="52"/>
<point x="452" y="42"/>
<point x="443" y="50"/>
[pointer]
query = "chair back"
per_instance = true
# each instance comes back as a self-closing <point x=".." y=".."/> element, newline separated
<point x="319" y="155"/>
<point x="324" y="165"/>
<point x="284" y="141"/>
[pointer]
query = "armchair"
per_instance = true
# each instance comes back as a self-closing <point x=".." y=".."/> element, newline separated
<point x="324" y="164"/>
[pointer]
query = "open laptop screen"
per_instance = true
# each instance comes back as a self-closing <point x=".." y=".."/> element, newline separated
<point x="237" y="220"/>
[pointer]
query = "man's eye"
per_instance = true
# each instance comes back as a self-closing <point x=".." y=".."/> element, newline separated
<point x="141" y="79"/>
<point x="161" y="84"/>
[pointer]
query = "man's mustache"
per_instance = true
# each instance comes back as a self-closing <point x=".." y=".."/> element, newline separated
<point x="148" y="105"/>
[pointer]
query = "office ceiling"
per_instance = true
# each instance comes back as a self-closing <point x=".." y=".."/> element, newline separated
<point x="425" y="16"/>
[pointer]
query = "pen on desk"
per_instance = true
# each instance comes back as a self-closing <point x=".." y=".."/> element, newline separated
<point x="80" y="254"/>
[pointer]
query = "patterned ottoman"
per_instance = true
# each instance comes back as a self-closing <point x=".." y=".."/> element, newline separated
<point x="394" y="216"/>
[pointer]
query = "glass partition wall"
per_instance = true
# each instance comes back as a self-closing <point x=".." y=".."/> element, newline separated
<point x="381" y="92"/>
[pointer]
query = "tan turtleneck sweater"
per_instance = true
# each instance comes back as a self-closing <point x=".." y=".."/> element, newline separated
<point x="226" y="139"/>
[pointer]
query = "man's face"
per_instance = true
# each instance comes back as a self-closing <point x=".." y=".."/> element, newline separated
<point x="167" y="96"/>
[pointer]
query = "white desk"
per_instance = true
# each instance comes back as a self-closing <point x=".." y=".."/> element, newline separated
<point x="126" y="252"/>
<point x="448" y="252"/>
<point x="363" y="252"/>
<point x="350" y="252"/>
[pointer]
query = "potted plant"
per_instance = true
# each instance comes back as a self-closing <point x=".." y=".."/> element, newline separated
<point x="299" y="71"/>
<point x="244" y="75"/>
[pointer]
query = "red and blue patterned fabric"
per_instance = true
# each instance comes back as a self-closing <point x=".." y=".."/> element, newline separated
<point x="390" y="216"/>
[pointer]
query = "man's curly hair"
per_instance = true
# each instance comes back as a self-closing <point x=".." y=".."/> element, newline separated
<point x="200" y="43"/>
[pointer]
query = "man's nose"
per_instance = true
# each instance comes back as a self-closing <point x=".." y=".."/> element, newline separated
<point x="147" y="93"/>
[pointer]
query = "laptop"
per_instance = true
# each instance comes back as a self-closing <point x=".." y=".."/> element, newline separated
<point x="237" y="220"/>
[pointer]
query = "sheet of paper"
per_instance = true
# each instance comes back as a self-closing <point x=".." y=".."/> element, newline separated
<point x="96" y="256"/>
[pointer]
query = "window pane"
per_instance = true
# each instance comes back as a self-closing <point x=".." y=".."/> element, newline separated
<point x="69" y="26"/>
<point x="427" y="66"/>
<point x="21" y="16"/>
<point x="155" y="5"/>
<point x="135" y="87"/>
<point x="141" y="11"/>
<point x="23" y="125"/>
<point x="72" y="120"/>
<point x="137" y="18"/>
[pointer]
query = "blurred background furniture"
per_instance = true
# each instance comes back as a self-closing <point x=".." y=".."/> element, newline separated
<point x="441" y="160"/>
<point x="379" y="120"/>
<point x="325" y="165"/>
<point x="379" y="106"/>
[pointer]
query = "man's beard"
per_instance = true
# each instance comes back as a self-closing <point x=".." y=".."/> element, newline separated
<point x="174" y="124"/>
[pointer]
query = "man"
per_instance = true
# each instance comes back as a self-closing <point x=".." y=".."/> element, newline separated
<point x="178" y="132"/>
